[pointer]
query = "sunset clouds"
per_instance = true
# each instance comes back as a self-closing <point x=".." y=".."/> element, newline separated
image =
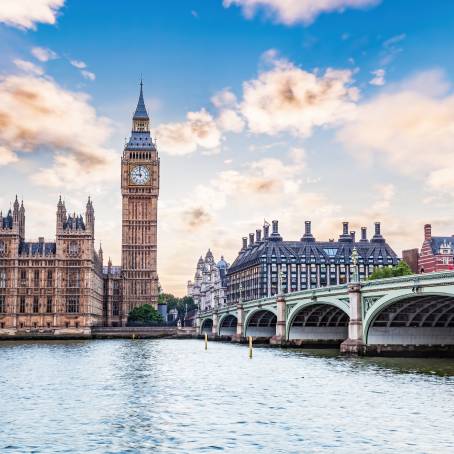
<point x="36" y="114"/>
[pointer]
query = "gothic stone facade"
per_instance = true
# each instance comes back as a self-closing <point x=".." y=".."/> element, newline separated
<point x="61" y="287"/>
<point x="54" y="287"/>
<point x="210" y="283"/>
<point x="268" y="265"/>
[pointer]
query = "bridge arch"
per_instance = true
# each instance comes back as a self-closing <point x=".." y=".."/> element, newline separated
<point x="227" y="325"/>
<point x="411" y="319"/>
<point x="261" y="322"/>
<point x="206" y="326"/>
<point x="319" y="321"/>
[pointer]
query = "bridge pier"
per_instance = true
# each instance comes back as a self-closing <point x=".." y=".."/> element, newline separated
<point x="281" y="336"/>
<point x="214" y="329"/>
<point x="354" y="344"/>
<point x="239" y="336"/>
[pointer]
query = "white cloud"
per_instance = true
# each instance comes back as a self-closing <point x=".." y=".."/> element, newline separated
<point x="79" y="64"/>
<point x="26" y="14"/>
<point x="409" y="129"/>
<point x="229" y="120"/>
<point x="28" y="67"/>
<point x="43" y="54"/>
<point x="224" y="98"/>
<point x="294" y="11"/>
<point x="379" y="77"/>
<point x="198" y="131"/>
<point x="391" y="48"/>
<point x="288" y="99"/>
<point x="37" y="114"/>
<point x="88" y="74"/>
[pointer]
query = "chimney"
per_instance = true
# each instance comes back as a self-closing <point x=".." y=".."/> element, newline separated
<point x="345" y="228"/>
<point x="258" y="235"/>
<point x="244" y="243"/>
<point x="251" y="239"/>
<point x="353" y="235"/>
<point x="275" y="227"/>
<point x="307" y="232"/>
<point x="427" y="232"/>
<point x="363" y="234"/>
<point x="377" y="238"/>
<point x="266" y="231"/>
<point x="41" y="239"/>
<point x="377" y="229"/>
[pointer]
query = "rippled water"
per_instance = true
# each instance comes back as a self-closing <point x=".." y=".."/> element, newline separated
<point x="172" y="396"/>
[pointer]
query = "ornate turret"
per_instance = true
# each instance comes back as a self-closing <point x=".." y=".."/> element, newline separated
<point x="90" y="215"/>
<point x="16" y="211"/>
<point x="22" y="220"/>
<point x="101" y="254"/>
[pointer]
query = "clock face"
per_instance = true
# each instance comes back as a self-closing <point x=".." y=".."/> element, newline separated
<point x="140" y="175"/>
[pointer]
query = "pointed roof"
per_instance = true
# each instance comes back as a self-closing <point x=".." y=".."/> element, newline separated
<point x="141" y="111"/>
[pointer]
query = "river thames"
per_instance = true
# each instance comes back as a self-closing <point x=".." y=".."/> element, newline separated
<point x="173" y="396"/>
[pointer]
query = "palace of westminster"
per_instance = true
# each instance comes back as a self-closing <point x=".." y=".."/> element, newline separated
<point x="62" y="287"/>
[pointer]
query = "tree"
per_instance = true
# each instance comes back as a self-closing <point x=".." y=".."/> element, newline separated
<point x="401" y="269"/>
<point x="145" y="315"/>
<point x="182" y="305"/>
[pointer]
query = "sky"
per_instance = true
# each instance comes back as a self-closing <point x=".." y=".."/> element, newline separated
<point x="295" y="110"/>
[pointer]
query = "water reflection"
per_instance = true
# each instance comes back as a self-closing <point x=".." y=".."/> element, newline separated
<point x="173" y="396"/>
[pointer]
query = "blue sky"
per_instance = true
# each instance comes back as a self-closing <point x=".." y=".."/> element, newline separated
<point x="262" y="109"/>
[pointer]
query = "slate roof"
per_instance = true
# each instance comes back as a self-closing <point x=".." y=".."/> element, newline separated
<point x="7" y="222"/>
<point x="310" y="251"/>
<point x="74" y="222"/>
<point x="140" y="141"/>
<point x="437" y="241"/>
<point x="37" y="248"/>
<point x="141" y="111"/>
<point x="114" y="270"/>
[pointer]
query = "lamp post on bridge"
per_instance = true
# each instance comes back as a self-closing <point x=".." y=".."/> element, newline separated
<point x="354" y="344"/>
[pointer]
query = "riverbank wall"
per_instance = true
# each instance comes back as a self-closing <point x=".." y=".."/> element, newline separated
<point x="147" y="332"/>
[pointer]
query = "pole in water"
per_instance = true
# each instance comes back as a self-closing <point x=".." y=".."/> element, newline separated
<point x="250" y="346"/>
<point x="133" y="335"/>
<point x="206" y="341"/>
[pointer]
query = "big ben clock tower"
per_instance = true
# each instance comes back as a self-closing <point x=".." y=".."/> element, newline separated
<point x="139" y="190"/>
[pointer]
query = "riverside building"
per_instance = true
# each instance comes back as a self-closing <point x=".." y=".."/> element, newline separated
<point x="208" y="289"/>
<point x="267" y="264"/>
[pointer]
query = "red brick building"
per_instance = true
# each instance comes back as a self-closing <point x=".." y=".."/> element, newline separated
<point x="437" y="253"/>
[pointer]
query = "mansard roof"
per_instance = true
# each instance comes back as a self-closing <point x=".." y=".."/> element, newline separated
<point x="310" y="251"/>
<point x="37" y="248"/>
<point x="438" y="241"/>
<point x="7" y="222"/>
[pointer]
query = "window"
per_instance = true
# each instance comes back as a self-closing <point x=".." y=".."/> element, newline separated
<point x="2" y="304"/>
<point x="35" y="305"/>
<point x="22" y="305"/>
<point x="2" y="278"/>
<point x="49" y="278"/>
<point x="116" y="308"/>
<point x="36" y="279"/>
<point x="49" y="304"/>
<point x="445" y="260"/>
<point x="72" y="304"/>
<point x="23" y="278"/>
<point x="74" y="279"/>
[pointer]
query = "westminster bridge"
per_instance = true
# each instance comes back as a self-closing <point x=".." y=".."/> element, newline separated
<point x="409" y="314"/>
